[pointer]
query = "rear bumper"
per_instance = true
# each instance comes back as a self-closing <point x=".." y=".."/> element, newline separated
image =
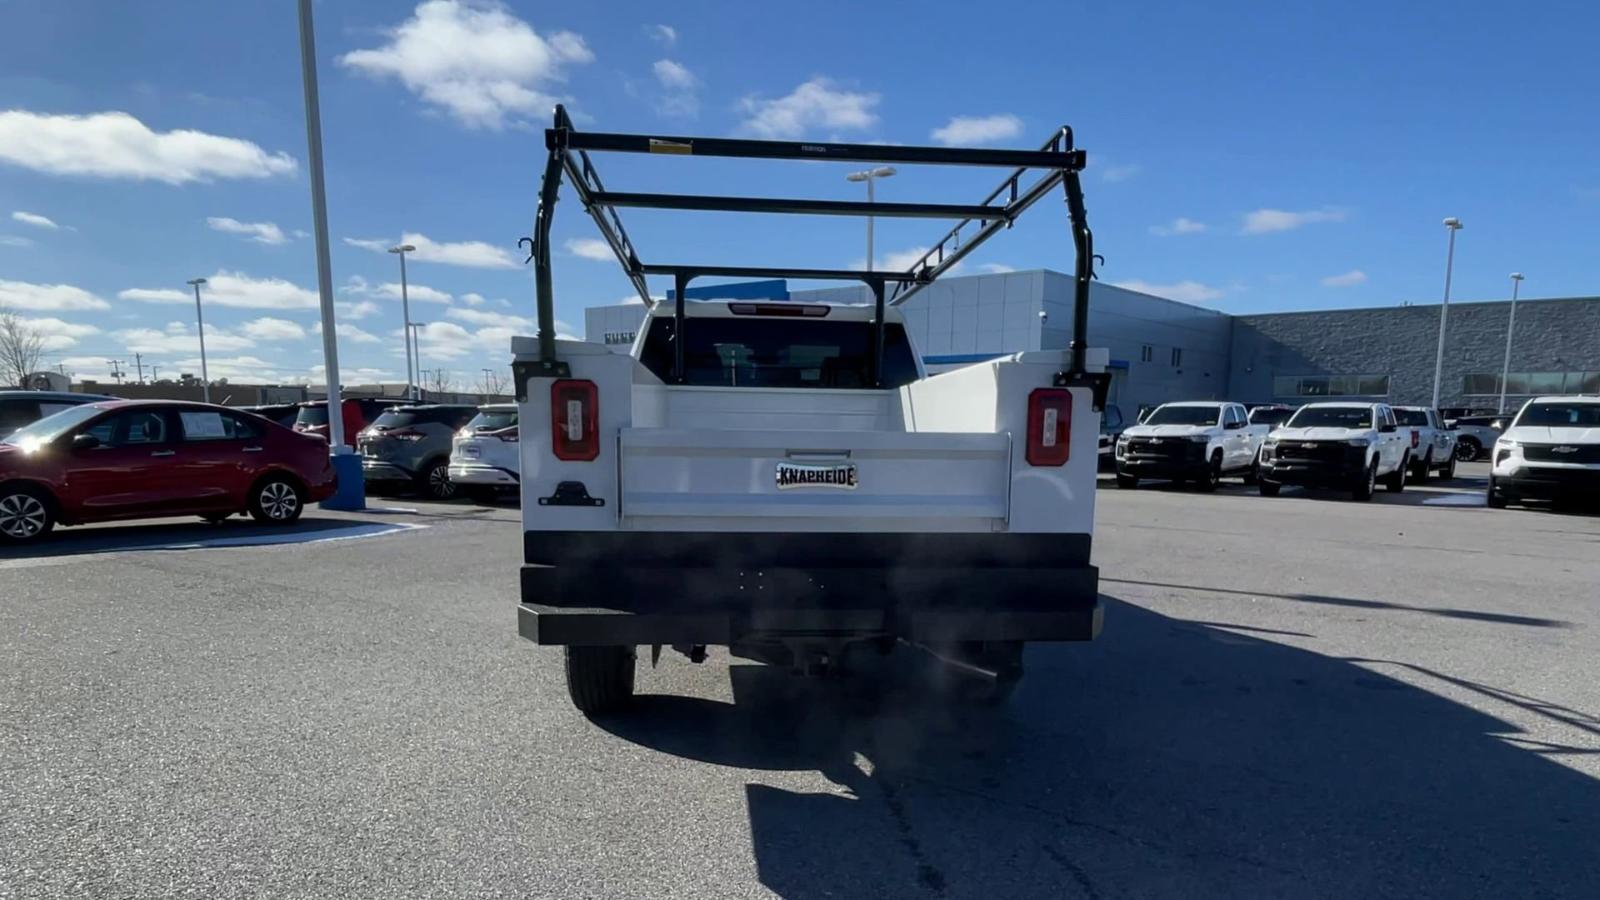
<point x="481" y="474"/>
<point x="723" y="588"/>
<point x="378" y="469"/>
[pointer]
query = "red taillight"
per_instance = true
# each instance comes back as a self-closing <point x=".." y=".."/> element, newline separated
<point x="1049" y="426"/>
<point x="574" y="432"/>
<point x="1416" y="438"/>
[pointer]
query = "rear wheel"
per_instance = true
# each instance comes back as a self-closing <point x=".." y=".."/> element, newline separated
<point x="1253" y="474"/>
<point x="1127" y="481"/>
<point x="1396" y="480"/>
<point x="1467" y="449"/>
<point x="1449" y="470"/>
<point x="1494" y="498"/>
<point x="276" y="500"/>
<point x="1208" y="481"/>
<point x="25" y="514"/>
<point x="1419" y="472"/>
<point x="1268" y="488"/>
<point x="435" y="481"/>
<point x="600" y="679"/>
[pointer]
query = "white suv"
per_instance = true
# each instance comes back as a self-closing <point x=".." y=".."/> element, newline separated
<point x="1551" y="451"/>
<point x="484" y="455"/>
<point x="1348" y="445"/>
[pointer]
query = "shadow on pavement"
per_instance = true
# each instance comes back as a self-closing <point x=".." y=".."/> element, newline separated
<point x="1169" y="759"/>
<point x="183" y="535"/>
<point x="1326" y="600"/>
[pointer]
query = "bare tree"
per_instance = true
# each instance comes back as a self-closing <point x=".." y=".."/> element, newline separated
<point x="493" y="383"/>
<point x="21" y="348"/>
<point x="438" y="381"/>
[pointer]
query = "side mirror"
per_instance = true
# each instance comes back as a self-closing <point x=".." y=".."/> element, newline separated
<point x="1388" y="429"/>
<point x="1232" y="425"/>
<point x="85" y="441"/>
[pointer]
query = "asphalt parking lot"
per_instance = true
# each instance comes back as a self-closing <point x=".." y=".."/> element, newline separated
<point x="1293" y="697"/>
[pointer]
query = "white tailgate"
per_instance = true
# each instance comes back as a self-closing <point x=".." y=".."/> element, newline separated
<point x="708" y="473"/>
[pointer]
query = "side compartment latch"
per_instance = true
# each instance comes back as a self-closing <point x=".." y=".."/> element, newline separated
<point x="571" y="493"/>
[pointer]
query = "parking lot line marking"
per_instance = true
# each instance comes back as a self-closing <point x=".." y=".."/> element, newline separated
<point x="353" y="531"/>
<point x="1462" y="499"/>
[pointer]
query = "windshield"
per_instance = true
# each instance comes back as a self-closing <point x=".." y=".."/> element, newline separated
<point x="1332" y="417"/>
<point x="778" y="353"/>
<point x="52" y="426"/>
<point x="1411" y="417"/>
<point x="493" y="420"/>
<point x="1184" y="415"/>
<point x="312" y="416"/>
<point x="1270" y="416"/>
<point x="1553" y="415"/>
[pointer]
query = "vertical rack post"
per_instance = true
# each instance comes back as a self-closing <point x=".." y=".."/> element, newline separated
<point x="680" y="281"/>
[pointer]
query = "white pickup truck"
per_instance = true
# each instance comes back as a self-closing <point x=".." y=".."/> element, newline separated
<point x="1433" y="446"/>
<point x="1200" y="441"/>
<point x="783" y="478"/>
<point x="1340" y="445"/>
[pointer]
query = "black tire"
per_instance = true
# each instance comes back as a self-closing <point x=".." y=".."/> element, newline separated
<point x="1492" y="498"/>
<point x="1268" y="488"/>
<point x="277" y="500"/>
<point x="1468" y="449"/>
<point x="1449" y="470"/>
<point x="1395" y="481"/>
<point x="27" y="514"/>
<point x="1420" y="470"/>
<point x="1208" y="481"/>
<point x="434" y="481"/>
<point x="600" y="679"/>
<point x="1364" y="488"/>
<point x="1253" y="474"/>
<point x="1127" y="481"/>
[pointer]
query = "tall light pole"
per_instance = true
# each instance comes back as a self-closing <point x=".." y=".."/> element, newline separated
<point x="200" y="326"/>
<point x="869" y="176"/>
<point x="414" y="338"/>
<point x="1505" y="367"/>
<point x="1454" y="225"/>
<point x="405" y="311"/>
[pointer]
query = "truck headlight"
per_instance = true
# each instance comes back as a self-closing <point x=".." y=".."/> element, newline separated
<point x="1200" y="438"/>
<point x="1359" y="442"/>
<point x="1506" y="443"/>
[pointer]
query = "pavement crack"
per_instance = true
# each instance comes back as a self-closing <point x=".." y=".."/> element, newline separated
<point x="1085" y="883"/>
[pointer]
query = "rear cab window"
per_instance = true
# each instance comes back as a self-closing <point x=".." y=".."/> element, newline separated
<point x="1415" y="417"/>
<point x="778" y="352"/>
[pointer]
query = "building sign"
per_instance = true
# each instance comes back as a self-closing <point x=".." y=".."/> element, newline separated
<point x="620" y="337"/>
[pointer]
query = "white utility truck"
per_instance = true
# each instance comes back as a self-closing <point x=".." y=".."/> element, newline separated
<point x="1337" y="445"/>
<point x="1198" y="441"/>
<point x="783" y="478"/>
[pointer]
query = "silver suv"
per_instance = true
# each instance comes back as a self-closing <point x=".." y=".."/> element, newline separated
<point x="410" y="445"/>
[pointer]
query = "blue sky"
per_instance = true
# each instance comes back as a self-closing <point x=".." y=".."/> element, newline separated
<point x="1249" y="157"/>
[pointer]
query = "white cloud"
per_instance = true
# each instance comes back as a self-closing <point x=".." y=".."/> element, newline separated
<point x="1268" y="221"/>
<point x="475" y="61"/>
<point x="996" y="268"/>
<point x="1177" y="226"/>
<point x="589" y="248"/>
<point x="666" y="34"/>
<point x="34" y="219"/>
<point x="485" y="317"/>
<point x="1348" y="279"/>
<point x="180" y="338"/>
<point x="260" y="232"/>
<point x="471" y="299"/>
<point x="1182" y="291"/>
<point x="355" y="333"/>
<point x="359" y="309"/>
<point x="233" y="289"/>
<point x="15" y="240"/>
<point x="416" y="293"/>
<point x="899" y="261"/>
<point x="117" y="145"/>
<point x="472" y="254"/>
<point x="59" y="334"/>
<point x="971" y="130"/>
<point x="75" y="364"/>
<point x="270" y="329"/>
<point x="673" y="74"/>
<point x="815" y="104"/>
<point x="47" y="297"/>
<point x="1120" y="172"/>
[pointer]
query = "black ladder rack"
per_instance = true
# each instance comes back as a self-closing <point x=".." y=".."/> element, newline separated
<point x="1057" y="160"/>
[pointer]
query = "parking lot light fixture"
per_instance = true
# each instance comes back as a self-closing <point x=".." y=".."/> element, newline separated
<point x="200" y="331"/>
<point x="1505" y="366"/>
<point x="869" y="176"/>
<point x="1453" y="224"/>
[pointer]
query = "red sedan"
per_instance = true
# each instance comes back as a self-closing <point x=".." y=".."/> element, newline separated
<point x="134" y="459"/>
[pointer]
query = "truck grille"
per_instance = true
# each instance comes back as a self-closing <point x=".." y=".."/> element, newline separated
<point x="1164" y="448"/>
<point x="1313" y="451"/>
<point x="1588" y="454"/>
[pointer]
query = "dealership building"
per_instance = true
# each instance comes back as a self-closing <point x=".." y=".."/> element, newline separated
<point x="1164" y="350"/>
